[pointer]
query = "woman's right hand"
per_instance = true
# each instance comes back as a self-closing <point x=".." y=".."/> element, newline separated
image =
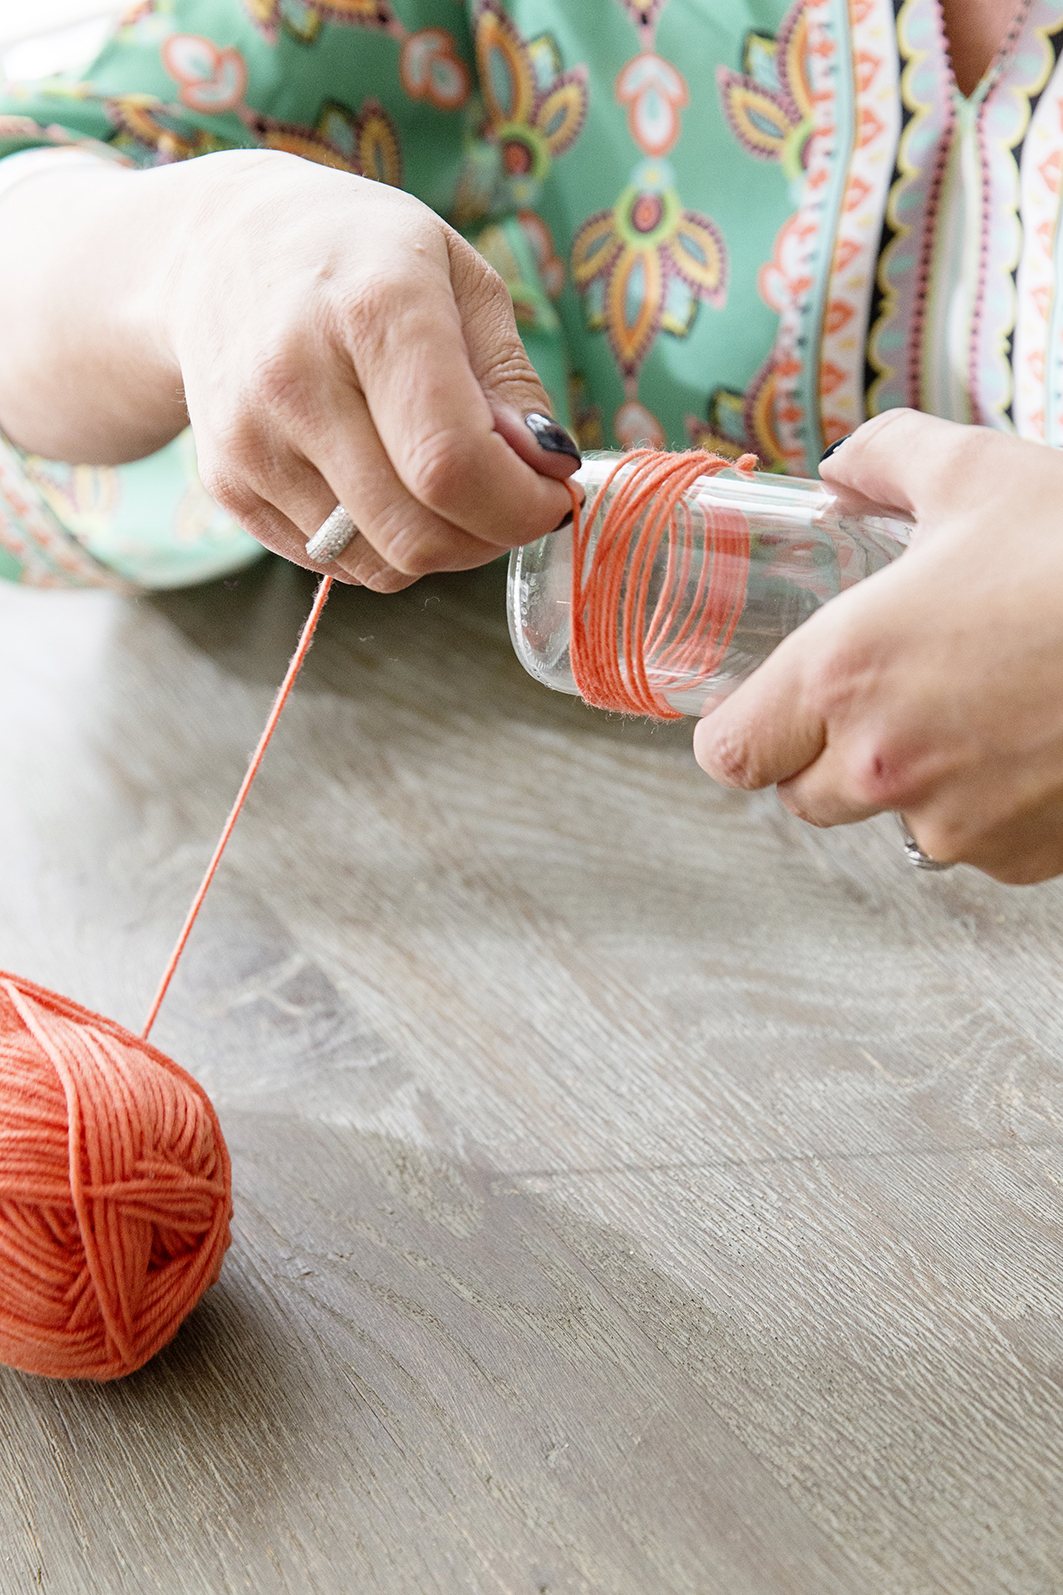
<point x="330" y="340"/>
<point x="932" y="688"/>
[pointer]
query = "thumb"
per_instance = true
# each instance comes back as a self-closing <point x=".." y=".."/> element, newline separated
<point x="518" y="401"/>
<point x="771" y="727"/>
<point x="907" y="461"/>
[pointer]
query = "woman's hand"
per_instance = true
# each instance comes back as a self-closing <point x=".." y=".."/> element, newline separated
<point x="935" y="688"/>
<point x="330" y="339"/>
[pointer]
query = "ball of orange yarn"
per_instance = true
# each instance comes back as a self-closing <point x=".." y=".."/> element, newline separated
<point x="115" y="1190"/>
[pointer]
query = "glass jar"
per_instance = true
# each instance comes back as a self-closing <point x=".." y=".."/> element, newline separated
<point x="795" y="548"/>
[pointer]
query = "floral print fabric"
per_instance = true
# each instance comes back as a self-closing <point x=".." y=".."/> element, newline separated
<point x="745" y="224"/>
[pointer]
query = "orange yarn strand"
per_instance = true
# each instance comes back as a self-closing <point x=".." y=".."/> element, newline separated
<point x="115" y="1181"/>
<point x="639" y="517"/>
<point x="297" y="660"/>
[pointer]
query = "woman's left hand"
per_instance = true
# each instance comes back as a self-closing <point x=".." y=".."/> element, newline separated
<point x="936" y="687"/>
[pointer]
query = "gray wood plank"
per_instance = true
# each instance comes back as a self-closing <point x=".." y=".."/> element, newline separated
<point x="636" y="1190"/>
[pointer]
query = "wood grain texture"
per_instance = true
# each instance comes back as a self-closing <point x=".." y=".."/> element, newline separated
<point x="636" y="1191"/>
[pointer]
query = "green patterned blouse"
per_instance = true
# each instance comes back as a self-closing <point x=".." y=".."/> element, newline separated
<point x="744" y="224"/>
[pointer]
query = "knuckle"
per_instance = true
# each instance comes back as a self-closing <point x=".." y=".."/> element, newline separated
<point x="886" y="762"/>
<point x="380" y="312"/>
<point x="948" y="844"/>
<point x="417" y="559"/>
<point x="237" y="464"/>
<point x="227" y="486"/>
<point x="878" y="777"/>
<point x="970" y="461"/>
<point x="403" y="544"/>
<point x="475" y="279"/>
<point x="901" y="415"/>
<point x="966" y="449"/>
<point x="729" y="760"/>
<point x="952" y="839"/>
<point x="278" y="382"/>
<point x="367" y="308"/>
<point x="388" y="580"/>
<point x="794" y="801"/>
<point x="254" y="516"/>
<point x="368" y="568"/>
<point x="876" y="773"/>
<point x="418" y="552"/>
<point x="508" y="366"/>
<point x="835" y="669"/>
<point x="483" y="287"/>
<point x="441" y="471"/>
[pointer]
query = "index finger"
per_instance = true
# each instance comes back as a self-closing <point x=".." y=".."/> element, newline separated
<point x="909" y="461"/>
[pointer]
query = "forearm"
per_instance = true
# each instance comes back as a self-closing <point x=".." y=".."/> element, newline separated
<point x="85" y="371"/>
<point x="327" y="338"/>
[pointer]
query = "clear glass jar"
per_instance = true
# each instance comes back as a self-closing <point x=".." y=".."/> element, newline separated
<point x="802" y="550"/>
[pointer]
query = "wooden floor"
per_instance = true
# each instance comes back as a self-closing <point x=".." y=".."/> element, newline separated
<point x="637" y="1193"/>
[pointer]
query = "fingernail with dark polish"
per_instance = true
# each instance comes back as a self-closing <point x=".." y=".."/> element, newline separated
<point x="561" y="525"/>
<point x="551" y="436"/>
<point x="835" y="446"/>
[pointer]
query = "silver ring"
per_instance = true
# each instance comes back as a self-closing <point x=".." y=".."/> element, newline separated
<point x="332" y="537"/>
<point x="914" y="853"/>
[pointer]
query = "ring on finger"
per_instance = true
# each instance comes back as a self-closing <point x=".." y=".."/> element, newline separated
<point x="914" y="853"/>
<point x="332" y="538"/>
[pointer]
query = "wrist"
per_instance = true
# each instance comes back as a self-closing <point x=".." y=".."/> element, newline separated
<point x="195" y="239"/>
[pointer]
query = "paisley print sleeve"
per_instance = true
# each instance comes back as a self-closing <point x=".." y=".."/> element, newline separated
<point x="347" y="83"/>
<point x="375" y="87"/>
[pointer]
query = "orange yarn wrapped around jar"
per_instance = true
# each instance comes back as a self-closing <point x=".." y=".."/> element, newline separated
<point x="115" y="1190"/>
